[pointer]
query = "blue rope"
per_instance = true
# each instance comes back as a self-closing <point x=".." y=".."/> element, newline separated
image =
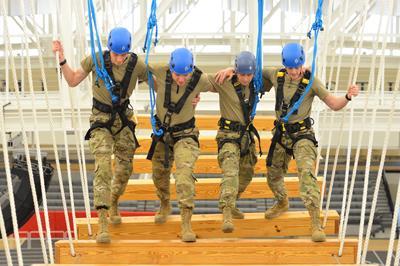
<point x="101" y="72"/>
<point x="316" y="27"/>
<point x="258" y="81"/>
<point x="151" y="24"/>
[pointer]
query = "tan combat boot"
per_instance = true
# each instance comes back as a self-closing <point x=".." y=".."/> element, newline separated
<point x="115" y="217"/>
<point x="102" y="233"/>
<point x="227" y="224"/>
<point x="317" y="233"/>
<point x="237" y="214"/>
<point x="163" y="212"/>
<point x="187" y="234"/>
<point x="277" y="209"/>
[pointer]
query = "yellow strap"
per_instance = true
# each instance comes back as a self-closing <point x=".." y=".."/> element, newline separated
<point x="227" y="122"/>
<point x="305" y="81"/>
<point x="280" y="74"/>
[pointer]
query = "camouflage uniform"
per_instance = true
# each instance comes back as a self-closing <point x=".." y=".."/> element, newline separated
<point x="185" y="154"/>
<point x="302" y="145"/>
<point x="183" y="148"/>
<point x="305" y="154"/>
<point x="304" y="150"/>
<point x="103" y="144"/>
<point x="236" y="149"/>
<point x="237" y="171"/>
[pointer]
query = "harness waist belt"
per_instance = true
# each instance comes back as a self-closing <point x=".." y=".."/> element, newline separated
<point x="282" y="128"/>
<point x="168" y="139"/>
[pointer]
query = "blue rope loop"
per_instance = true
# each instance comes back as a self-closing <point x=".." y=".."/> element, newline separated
<point x="151" y="24"/>
<point x="258" y="81"/>
<point x="101" y="71"/>
<point x="317" y="26"/>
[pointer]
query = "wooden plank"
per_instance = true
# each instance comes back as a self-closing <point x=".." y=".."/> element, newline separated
<point x="208" y="188"/>
<point x="209" y="226"/>
<point x="206" y="251"/>
<point x="206" y="164"/>
<point x="208" y="145"/>
<point x="201" y="264"/>
<point x="210" y="122"/>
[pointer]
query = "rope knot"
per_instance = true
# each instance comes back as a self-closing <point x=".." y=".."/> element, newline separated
<point x="316" y="26"/>
<point x="152" y="22"/>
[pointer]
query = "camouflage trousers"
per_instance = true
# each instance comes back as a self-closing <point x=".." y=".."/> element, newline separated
<point x="237" y="171"/>
<point x="185" y="153"/>
<point x="103" y="145"/>
<point x="305" y="154"/>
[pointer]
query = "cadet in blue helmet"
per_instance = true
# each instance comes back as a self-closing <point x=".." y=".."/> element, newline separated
<point x="112" y="131"/>
<point x="295" y="138"/>
<point x="236" y="145"/>
<point x="178" y="83"/>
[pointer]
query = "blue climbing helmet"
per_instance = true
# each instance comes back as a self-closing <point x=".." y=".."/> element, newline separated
<point x="293" y="55"/>
<point x="119" y="40"/>
<point x="245" y="63"/>
<point x="181" y="61"/>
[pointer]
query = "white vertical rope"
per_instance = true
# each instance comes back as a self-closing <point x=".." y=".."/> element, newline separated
<point x="384" y="149"/>
<point x="397" y="204"/>
<point x="396" y="213"/>
<point x="24" y="137"/>
<point x="352" y="80"/>
<point x="2" y="226"/>
<point x="319" y="102"/>
<point x="7" y="160"/>
<point x="78" y="130"/>
<point x="346" y="10"/>
<point x="360" y="138"/>
<point x="36" y="135"/>
<point x="360" y="38"/>
<point x="63" y="121"/>
<point x="55" y="148"/>
<point x="7" y="78"/>
<point x="366" y="177"/>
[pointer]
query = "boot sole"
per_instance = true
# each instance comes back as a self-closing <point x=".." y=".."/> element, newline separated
<point x="115" y="220"/>
<point x="228" y="229"/>
<point x="272" y="216"/>
<point x="238" y="217"/>
<point x="162" y="220"/>
<point x="189" y="239"/>
<point x="103" y="239"/>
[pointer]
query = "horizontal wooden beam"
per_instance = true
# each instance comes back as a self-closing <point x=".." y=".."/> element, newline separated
<point x="210" y="122"/>
<point x="208" y="188"/>
<point x="208" y="145"/>
<point x="207" y="251"/>
<point x="209" y="226"/>
<point x="206" y="164"/>
<point x="201" y="264"/>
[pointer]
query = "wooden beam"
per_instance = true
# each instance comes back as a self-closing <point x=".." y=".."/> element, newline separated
<point x="208" y="188"/>
<point x="206" y="164"/>
<point x="208" y="226"/>
<point x="208" y="145"/>
<point x="202" y="264"/>
<point x="207" y="251"/>
<point x="210" y="122"/>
